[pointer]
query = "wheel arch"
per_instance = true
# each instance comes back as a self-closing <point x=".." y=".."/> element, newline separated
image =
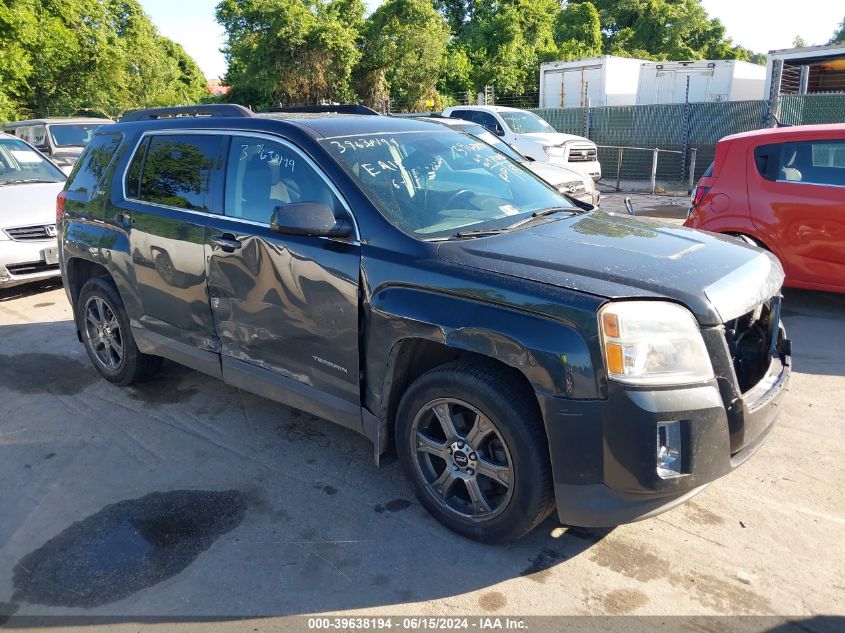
<point x="411" y="332"/>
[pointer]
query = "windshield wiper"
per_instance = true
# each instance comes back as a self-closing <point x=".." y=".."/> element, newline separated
<point x="542" y="213"/>
<point x="524" y="222"/>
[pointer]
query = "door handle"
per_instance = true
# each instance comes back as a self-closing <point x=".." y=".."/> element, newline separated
<point x="226" y="242"/>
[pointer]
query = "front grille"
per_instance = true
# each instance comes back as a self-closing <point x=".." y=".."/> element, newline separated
<point x="582" y="154"/>
<point x="32" y="233"/>
<point x="750" y="342"/>
<point x="31" y="268"/>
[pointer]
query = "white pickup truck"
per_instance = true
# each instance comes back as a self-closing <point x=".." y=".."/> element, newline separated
<point x="533" y="137"/>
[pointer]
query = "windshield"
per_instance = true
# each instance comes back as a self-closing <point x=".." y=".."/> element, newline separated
<point x="494" y="141"/>
<point x="434" y="184"/>
<point x="20" y="163"/>
<point x="73" y="135"/>
<point x="525" y="122"/>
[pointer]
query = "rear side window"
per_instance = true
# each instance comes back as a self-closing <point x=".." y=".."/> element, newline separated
<point x="177" y="171"/>
<point x="94" y="162"/>
<point x="767" y="159"/>
<point x="708" y="173"/>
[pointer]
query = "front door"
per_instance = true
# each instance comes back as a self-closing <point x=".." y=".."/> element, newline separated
<point x="285" y="306"/>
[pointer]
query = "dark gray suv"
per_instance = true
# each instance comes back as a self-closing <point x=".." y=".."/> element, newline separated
<point x="413" y="284"/>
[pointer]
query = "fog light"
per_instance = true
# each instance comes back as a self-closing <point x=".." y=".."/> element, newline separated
<point x="669" y="449"/>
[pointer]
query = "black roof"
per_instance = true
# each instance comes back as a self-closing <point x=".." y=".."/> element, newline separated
<point x="317" y="126"/>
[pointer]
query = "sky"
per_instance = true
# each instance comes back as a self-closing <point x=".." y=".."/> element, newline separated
<point x="760" y="25"/>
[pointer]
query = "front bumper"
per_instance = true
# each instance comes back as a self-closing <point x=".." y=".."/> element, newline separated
<point x="24" y="262"/>
<point x="603" y="452"/>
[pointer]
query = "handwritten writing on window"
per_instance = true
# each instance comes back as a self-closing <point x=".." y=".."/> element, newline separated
<point x="352" y="145"/>
<point x="269" y="155"/>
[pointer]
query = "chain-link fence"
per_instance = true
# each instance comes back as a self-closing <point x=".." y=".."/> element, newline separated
<point x="684" y="134"/>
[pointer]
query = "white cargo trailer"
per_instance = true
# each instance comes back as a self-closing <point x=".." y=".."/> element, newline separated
<point x="700" y="81"/>
<point x="595" y="81"/>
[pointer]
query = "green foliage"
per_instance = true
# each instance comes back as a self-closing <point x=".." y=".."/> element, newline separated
<point x="663" y="29"/>
<point x="60" y="56"/>
<point x="290" y="51"/>
<point x="404" y="46"/>
<point x="578" y="31"/>
<point x="506" y="41"/>
<point x="839" y="35"/>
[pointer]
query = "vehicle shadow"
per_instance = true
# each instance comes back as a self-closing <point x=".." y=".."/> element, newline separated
<point x="183" y="498"/>
<point x="27" y="290"/>
<point x="813" y="322"/>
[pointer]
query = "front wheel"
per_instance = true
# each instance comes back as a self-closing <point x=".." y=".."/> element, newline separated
<point x="104" y="325"/>
<point x="472" y="444"/>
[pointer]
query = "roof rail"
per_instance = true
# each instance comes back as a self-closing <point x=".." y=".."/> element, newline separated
<point x="214" y="109"/>
<point x="346" y="108"/>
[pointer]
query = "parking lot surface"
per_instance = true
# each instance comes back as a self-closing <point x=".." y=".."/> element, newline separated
<point x="184" y="497"/>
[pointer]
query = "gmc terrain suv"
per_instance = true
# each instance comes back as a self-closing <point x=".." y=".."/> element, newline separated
<point x="411" y="283"/>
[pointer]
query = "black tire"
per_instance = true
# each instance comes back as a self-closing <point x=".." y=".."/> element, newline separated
<point x="518" y="440"/>
<point x="99" y="296"/>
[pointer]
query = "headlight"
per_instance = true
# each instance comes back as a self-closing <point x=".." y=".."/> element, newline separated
<point x="653" y="343"/>
<point x="553" y="150"/>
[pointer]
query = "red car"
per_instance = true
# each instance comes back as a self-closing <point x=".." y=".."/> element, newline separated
<point x="782" y="189"/>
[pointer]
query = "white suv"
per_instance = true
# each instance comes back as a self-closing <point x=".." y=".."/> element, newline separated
<point x="533" y="137"/>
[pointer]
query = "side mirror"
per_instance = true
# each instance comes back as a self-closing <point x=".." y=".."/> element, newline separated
<point x="308" y="218"/>
<point x="499" y="131"/>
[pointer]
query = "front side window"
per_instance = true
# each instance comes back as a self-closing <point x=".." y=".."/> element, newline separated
<point x="73" y="135"/>
<point x="93" y="163"/>
<point x="525" y="122"/>
<point x="178" y="170"/>
<point x="433" y="184"/>
<point x="488" y="121"/>
<point x="262" y="175"/>
<point x="19" y="163"/>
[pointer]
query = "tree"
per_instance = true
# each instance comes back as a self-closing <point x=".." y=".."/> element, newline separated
<point x="578" y="31"/>
<point x="404" y="46"/>
<point x="798" y="42"/>
<point x="663" y="29"/>
<point x="290" y="51"/>
<point x="839" y="35"/>
<point x="507" y="39"/>
<point x="456" y="12"/>
<point x="60" y="56"/>
<point x="17" y="32"/>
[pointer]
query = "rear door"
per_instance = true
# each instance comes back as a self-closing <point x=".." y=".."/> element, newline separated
<point x="797" y="196"/>
<point x="285" y="306"/>
<point x="173" y="185"/>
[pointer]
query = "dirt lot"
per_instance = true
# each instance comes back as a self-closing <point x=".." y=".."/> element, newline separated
<point x="185" y="497"/>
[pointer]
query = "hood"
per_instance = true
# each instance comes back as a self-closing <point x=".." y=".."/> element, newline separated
<point x="556" y="175"/>
<point x="28" y="204"/>
<point x="553" y="138"/>
<point x="614" y="256"/>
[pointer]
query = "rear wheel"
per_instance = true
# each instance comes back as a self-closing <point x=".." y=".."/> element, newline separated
<point x="474" y="449"/>
<point x="107" y="337"/>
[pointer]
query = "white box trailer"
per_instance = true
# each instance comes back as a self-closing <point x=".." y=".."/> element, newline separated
<point x="707" y="80"/>
<point x="595" y="81"/>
